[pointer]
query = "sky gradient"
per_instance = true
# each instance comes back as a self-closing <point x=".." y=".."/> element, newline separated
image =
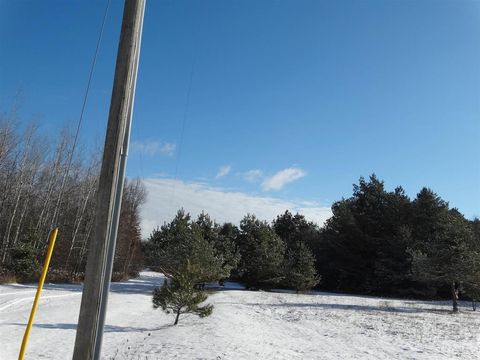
<point x="282" y="101"/>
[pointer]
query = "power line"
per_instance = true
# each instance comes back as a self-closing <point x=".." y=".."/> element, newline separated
<point x="82" y="112"/>
<point x="197" y="33"/>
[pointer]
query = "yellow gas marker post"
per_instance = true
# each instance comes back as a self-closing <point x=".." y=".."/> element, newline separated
<point x="51" y="244"/>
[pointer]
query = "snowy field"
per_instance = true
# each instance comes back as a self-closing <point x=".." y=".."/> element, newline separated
<point x="244" y="325"/>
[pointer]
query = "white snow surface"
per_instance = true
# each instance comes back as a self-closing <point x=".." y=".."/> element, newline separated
<point x="244" y="325"/>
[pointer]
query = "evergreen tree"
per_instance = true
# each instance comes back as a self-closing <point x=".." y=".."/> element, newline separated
<point x="393" y="266"/>
<point x="476" y="231"/>
<point x="445" y="251"/>
<point x="472" y="288"/>
<point x="299" y="236"/>
<point x="364" y="244"/>
<point x="222" y="238"/>
<point x="346" y="260"/>
<point x="295" y="228"/>
<point x="179" y="294"/>
<point x="300" y="273"/>
<point x="23" y="263"/>
<point x="262" y="253"/>
<point x="227" y="246"/>
<point x="429" y="218"/>
<point x="173" y="244"/>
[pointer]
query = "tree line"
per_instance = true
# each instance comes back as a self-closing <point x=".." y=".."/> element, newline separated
<point x="377" y="242"/>
<point x="192" y="252"/>
<point x="44" y="184"/>
<point x="382" y="242"/>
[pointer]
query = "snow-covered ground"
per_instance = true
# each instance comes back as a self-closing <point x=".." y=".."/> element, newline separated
<point x="244" y="325"/>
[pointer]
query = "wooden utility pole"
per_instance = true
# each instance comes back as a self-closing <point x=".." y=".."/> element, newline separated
<point x="120" y="110"/>
<point x="116" y="211"/>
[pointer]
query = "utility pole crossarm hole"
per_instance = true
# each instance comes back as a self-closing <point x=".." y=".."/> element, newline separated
<point x="117" y="130"/>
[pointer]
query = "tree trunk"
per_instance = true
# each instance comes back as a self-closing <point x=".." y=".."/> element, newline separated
<point x="6" y="239"/>
<point x="454" y="296"/>
<point x="474" y="304"/>
<point x="19" y="226"/>
<point x="41" y="227"/>
<point x="83" y="249"/>
<point x="128" y="260"/>
<point x="176" y="318"/>
<point x="77" y="223"/>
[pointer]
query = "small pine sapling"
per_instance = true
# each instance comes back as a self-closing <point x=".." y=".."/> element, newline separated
<point x="179" y="295"/>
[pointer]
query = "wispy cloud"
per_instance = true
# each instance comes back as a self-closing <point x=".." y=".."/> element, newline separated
<point x="223" y="171"/>
<point x="153" y="147"/>
<point x="166" y="196"/>
<point x="281" y="178"/>
<point x="253" y="175"/>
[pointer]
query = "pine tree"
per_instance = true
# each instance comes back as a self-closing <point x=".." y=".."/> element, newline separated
<point x="180" y="296"/>
<point x="222" y="239"/>
<point x="262" y="253"/>
<point x="472" y="287"/>
<point x="23" y="263"/>
<point x="475" y="223"/>
<point x="364" y="244"/>
<point x="295" y="228"/>
<point x="173" y="244"/>
<point x="300" y="237"/>
<point x="300" y="273"/>
<point x="445" y="250"/>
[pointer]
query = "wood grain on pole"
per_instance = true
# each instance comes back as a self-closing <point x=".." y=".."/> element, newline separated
<point x="97" y="249"/>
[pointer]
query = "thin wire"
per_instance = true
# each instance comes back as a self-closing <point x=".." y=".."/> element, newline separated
<point x="82" y="112"/>
<point x="197" y="32"/>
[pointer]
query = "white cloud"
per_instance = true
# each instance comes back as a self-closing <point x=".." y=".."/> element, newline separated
<point x="281" y="178"/>
<point x="166" y="196"/>
<point x="223" y="171"/>
<point x="253" y="175"/>
<point x="153" y="147"/>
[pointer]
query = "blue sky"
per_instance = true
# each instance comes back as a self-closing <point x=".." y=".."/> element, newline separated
<point x="290" y="101"/>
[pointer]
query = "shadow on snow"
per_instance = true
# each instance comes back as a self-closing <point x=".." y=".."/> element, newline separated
<point x="350" y="307"/>
<point x="108" y="328"/>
